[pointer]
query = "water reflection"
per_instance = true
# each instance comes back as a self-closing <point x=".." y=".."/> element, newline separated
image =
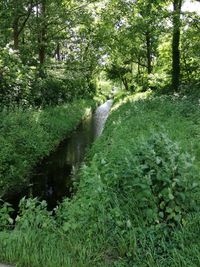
<point x="52" y="178"/>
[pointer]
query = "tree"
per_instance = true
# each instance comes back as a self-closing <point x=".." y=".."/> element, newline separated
<point x="134" y="29"/>
<point x="15" y="15"/>
<point x="177" y="4"/>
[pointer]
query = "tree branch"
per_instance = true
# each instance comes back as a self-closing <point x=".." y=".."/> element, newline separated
<point x="26" y="19"/>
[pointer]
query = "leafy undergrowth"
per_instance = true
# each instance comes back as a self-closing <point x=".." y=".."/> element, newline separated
<point x="26" y="136"/>
<point x="137" y="200"/>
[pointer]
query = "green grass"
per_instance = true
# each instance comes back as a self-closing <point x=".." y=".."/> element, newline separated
<point x="26" y="136"/>
<point x="149" y="152"/>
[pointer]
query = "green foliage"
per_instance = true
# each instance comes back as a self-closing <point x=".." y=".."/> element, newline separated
<point x="33" y="214"/>
<point x="120" y="95"/>
<point x="137" y="201"/>
<point x="15" y="78"/>
<point x="139" y="185"/>
<point x="190" y="56"/>
<point x="50" y="91"/>
<point x="164" y="181"/>
<point x="21" y="85"/>
<point x="138" y="197"/>
<point x="138" y="41"/>
<point x="5" y="218"/>
<point x="79" y="85"/>
<point x="33" y="40"/>
<point x="29" y="135"/>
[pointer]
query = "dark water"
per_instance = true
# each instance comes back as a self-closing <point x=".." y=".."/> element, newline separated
<point x="53" y="177"/>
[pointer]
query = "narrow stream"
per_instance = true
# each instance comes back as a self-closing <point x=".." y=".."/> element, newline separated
<point x="53" y="177"/>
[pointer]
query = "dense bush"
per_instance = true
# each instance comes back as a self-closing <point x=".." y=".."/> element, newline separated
<point x="54" y="91"/>
<point x="22" y="85"/>
<point x="161" y="180"/>
<point x="50" y="91"/>
<point x="15" y="78"/>
<point x="28" y="135"/>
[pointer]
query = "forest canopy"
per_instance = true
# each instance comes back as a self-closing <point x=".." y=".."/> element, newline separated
<point x="53" y="51"/>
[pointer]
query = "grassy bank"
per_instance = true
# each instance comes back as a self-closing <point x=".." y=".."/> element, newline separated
<point x="137" y="200"/>
<point x="26" y="136"/>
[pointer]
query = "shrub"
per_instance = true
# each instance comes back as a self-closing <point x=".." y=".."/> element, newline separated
<point x="15" y="78"/>
<point x="33" y="214"/>
<point x="53" y="91"/>
<point x="49" y="91"/>
<point x="5" y="219"/>
<point x="163" y="181"/>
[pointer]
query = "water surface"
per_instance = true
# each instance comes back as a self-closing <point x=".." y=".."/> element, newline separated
<point x="53" y="177"/>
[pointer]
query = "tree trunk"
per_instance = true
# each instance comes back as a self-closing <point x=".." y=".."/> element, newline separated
<point x="187" y="68"/>
<point x="15" y="25"/>
<point x="42" y="34"/>
<point x="125" y="83"/>
<point x="16" y="33"/>
<point x="20" y="18"/>
<point x="42" y="49"/>
<point x="149" y="57"/>
<point x="58" y="52"/>
<point x="175" y="45"/>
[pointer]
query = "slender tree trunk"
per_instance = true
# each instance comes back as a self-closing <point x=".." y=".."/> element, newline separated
<point x="149" y="56"/>
<point x="23" y="39"/>
<point x="16" y="33"/>
<point x="20" y="18"/>
<point x="42" y="49"/>
<point x="138" y="71"/>
<point x="175" y="45"/>
<point x="15" y="25"/>
<point x="42" y="34"/>
<point x="125" y="83"/>
<point x="187" y="68"/>
<point x="58" y="52"/>
<point x="139" y="64"/>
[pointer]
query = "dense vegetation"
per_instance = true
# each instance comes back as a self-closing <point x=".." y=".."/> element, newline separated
<point x="137" y="199"/>
<point x="137" y="202"/>
<point x="53" y="51"/>
<point x="29" y="135"/>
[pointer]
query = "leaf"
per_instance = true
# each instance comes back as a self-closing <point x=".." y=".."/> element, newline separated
<point x="66" y="226"/>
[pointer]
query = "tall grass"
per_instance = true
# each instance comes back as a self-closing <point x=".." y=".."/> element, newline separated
<point x="137" y="202"/>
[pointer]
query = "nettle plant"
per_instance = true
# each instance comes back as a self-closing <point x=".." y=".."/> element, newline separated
<point x="5" y="219"/>
<point x="164" y="181"/>
<point x="34" y="214"/>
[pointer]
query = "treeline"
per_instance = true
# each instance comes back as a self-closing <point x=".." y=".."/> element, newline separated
<point x="45" y="57"/>
<point x="155" y="44"/>
<point x="23" y="85"/>
<point x="140" y="44"/>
